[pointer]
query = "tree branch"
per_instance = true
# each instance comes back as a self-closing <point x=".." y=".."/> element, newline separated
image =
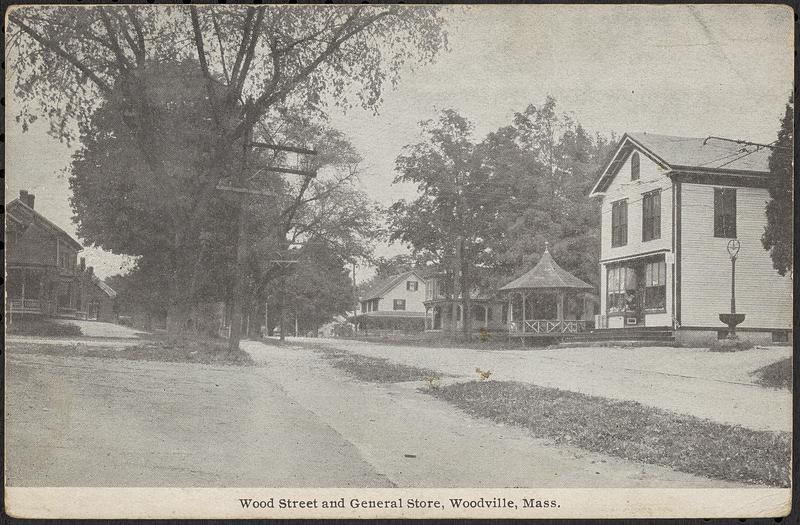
<point x="55" y="48"/>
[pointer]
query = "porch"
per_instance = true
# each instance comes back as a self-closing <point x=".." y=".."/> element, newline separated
<point x="548" y="302"/>
<point x="40" y="291"/>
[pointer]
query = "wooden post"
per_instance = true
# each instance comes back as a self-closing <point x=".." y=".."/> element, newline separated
<point x="560" y="305"/>
<point x="296" y="330"/>
<point x="266" y="318"/>
<point x="486" y="317"/>
<point x="524" y="313"/>
<point x="510" y="312"/>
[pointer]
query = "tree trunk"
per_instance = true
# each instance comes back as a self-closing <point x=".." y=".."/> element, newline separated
<point x="466" y="299"/>
<point x="238" y="291"/>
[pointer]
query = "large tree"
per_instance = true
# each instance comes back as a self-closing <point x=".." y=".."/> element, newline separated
<point x="450" y="220"/>
<point x="251" y="62"/>
<point x="778" y="236"/>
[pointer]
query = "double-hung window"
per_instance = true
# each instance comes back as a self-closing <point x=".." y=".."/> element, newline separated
<point x="399" y="304"/>
<point x="620" y="279"/>
<point x="412" y="286"/>
<point x="655" y="285"/>
<point x="651" y="215"/>
<point x="619" y="223"/>
<point x="725" y="213"/>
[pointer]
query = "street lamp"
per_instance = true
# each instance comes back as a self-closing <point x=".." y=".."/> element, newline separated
<point x="732" y="319"/>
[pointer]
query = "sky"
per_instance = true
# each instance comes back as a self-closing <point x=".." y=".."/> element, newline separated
<point x="695" y="71"/>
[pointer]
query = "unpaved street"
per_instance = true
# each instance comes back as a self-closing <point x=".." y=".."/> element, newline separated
<point x="715" y="386"/>
<point x="293" y="421"/>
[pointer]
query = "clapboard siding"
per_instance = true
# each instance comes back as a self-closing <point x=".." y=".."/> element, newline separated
<point x="652" y="177"/>
<point x="763" y="295"/>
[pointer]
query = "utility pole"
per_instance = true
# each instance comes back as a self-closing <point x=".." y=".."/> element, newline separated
<point x="241" y="248"/>
<point x="241" y="245"/>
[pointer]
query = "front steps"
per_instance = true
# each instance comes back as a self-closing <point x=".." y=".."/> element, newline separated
<point x="657" y="335"/>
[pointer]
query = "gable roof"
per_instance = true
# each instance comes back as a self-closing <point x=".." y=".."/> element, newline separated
<point x="710" y="155"/>
<point x="106" y="289"/>
<point x="21" y="213"/>
<point x="546" y="274"/>
<point x="379" y="288"/>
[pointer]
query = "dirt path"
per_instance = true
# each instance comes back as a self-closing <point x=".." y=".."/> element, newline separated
<point x="104" y="422"/>
<point x="715" y="386"/>
<point x="419" y="441"/>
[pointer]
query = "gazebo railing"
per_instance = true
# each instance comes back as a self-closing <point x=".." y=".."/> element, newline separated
<point x="548" y="326"/>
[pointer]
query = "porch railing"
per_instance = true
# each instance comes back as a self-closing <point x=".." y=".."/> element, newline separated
<point x="548" y="326"/>
<point x="26" y="305"/>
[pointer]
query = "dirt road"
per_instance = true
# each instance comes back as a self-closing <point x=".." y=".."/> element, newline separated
<point x="293" y="422"/>
<point x="715" y="386"/>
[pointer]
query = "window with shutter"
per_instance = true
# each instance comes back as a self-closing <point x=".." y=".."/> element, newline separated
<point x="725" y="213"/>
<point x="651" y="215"/>
<point x="635" y="166"/>
<point x="619" y="223"/>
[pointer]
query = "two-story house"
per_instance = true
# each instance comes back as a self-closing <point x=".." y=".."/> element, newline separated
<point x="394" y="303"/>
<point x="43" y="275"/>
<point x="670" y="205"/>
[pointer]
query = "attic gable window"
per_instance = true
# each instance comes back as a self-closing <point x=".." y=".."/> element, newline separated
<point x="412" y="286"/>
<point x="725" y="213"/>
<point x="619" y="223"/>
<point x="635" y="166"/>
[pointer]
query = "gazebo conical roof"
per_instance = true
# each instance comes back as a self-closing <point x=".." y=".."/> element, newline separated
<point x="547" y="274"/>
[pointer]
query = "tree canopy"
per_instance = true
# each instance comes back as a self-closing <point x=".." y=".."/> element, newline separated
<point x="491" y="205"/>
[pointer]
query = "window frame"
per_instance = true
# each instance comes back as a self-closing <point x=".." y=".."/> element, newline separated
<point x="660" y="280"/>
<point x="410" y="288"/>
<point x="636" y="166"/>
<point x="651" y="215"/>
<point x="397" y="302"/>
<point x="725" y="213"/>
<point x="619" y="227"/>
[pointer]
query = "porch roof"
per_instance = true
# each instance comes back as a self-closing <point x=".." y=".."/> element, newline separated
<point x="547" y="274"/>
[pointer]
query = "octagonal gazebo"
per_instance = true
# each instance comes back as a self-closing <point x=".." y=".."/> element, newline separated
<point x="546" y="301"/>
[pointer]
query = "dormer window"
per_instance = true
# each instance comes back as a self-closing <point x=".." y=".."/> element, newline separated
<point x="635" y="166"/>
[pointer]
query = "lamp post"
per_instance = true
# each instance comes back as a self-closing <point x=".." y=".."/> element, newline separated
<point x="732" y="319"/>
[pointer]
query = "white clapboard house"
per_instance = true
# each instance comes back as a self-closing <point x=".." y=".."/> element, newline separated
<point x="670" y="205"/>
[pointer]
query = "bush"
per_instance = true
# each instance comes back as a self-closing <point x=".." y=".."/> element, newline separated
<point x="42" y="327"/>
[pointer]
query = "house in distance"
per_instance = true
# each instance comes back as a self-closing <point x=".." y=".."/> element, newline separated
<point x="395" y="303"/>
<point x="670" y="205"/>
<point x="43" y="275"/>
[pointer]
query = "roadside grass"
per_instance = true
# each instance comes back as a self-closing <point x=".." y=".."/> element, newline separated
<point x="776" y="375"/>
<point x="375" y="369"/>
<point x="188" y="350"/>
<point x="630" y="430"/>
<point x="43" y="328"/>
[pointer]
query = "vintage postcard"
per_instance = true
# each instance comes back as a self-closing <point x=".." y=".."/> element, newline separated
<point x="398" y="261"/>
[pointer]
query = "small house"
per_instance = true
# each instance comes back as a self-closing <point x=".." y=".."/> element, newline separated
<point x="395" y="304"/>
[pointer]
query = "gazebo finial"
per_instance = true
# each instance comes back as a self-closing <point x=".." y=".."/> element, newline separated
<point x="546" y="246"/>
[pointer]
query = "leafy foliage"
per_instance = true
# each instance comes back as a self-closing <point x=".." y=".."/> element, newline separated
<point x="778" y="237"/>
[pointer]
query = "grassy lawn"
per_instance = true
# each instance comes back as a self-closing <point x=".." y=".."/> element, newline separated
<point x="43" y="328"/>
<point x="629" y="430"/>
<point x="204" y="351"/>
<point x="375" y="369"/>
<point x="776" y="375"/>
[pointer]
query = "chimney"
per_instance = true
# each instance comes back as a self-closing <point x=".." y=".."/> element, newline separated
<point x="83" y="263"/>
<point x="27" y="198"/>
<point x="90" y="269"/>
